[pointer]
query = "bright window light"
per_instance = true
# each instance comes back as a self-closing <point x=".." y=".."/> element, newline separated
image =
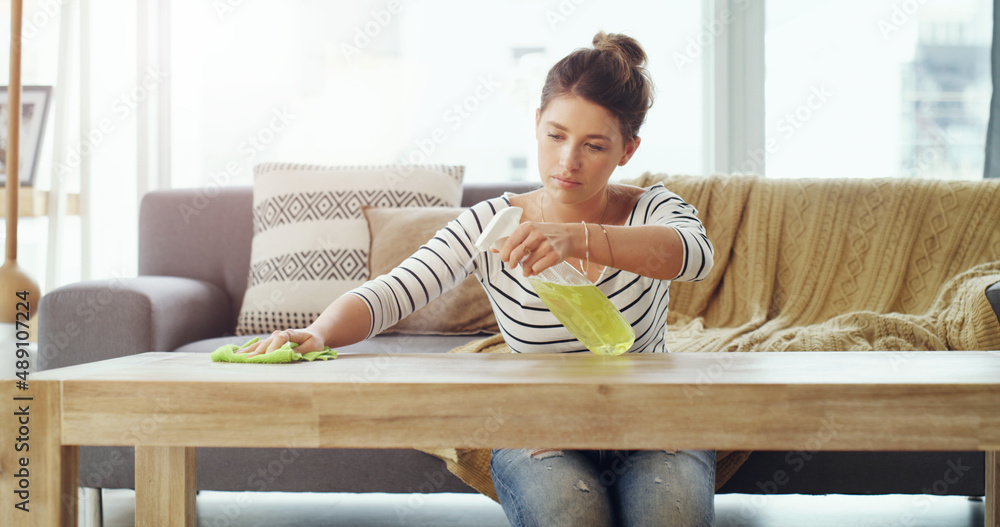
<point x="885" y="88"/>
<point x="417" y="81"/>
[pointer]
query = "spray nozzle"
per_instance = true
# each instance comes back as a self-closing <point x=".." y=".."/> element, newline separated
<point x="499" y="228"/>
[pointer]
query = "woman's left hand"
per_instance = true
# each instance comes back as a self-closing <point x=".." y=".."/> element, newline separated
<point x="538" y="246"/>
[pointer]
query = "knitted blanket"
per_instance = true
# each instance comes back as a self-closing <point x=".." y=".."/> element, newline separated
<point x="840" y="265"/>
<point x="823" y="265"/>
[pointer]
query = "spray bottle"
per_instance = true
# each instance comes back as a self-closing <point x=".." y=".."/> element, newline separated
<point x="568" y="294"/>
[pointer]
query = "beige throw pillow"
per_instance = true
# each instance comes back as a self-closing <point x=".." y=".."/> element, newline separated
<point x="395" y="235"/>
<point x="310" y="238"/>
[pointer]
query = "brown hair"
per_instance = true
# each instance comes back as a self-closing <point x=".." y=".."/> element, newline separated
<point x="612" y="74"/>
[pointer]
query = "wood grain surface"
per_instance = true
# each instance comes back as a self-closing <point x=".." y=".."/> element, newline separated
<point x="815" y="401"/>
<point x="166" y="404"/>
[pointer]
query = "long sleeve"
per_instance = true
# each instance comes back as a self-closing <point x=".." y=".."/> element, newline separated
<point x="666" y="208"/>
<point x="437" y="266"/>
<point x="524" y="320"/>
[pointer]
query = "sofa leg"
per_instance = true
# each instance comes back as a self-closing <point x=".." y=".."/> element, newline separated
<point x="91" y="507"/>
<point x="992" y="488"/>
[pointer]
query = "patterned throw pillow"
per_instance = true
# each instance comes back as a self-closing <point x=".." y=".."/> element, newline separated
<point x="398" y="233"/>
<point x="310" y="242"/>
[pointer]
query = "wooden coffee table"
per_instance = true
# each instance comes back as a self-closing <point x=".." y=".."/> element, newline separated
<point x="166" y="404"/>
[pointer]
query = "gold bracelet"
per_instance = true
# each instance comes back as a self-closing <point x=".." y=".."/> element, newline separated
<point x="607" y="239"/>
<point x="587" y="237"/>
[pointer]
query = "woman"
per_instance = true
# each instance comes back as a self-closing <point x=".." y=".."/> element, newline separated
<point x="629" y="241"/>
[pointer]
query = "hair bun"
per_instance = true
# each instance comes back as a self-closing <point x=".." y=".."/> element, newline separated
<point x="611" y="74"/>
<point x="622" y="45"/>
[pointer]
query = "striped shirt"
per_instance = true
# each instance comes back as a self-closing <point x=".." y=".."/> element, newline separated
<point x="526" y="324"/>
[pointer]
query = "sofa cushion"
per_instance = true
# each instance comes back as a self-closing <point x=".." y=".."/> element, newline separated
<point x="310" y="242"/>
<point x="396" y="234"/>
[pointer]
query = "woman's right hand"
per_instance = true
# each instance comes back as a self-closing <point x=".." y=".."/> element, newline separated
<point x="538" y="246"/>
<point x="307" y="340"/>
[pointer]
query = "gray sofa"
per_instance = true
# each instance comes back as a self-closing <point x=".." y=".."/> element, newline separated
<point x="194" y="252"/>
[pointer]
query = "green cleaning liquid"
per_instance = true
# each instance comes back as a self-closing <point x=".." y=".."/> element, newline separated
<point x="568" y="294"/>
<point x="588" y="315"/>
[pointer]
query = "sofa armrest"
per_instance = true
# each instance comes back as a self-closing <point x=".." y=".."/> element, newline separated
<point x="102" y="319"/>
<point x="993" y="295"/>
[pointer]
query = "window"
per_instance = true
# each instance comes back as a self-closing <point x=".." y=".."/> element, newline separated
<point x="856" y="88"/>
<point x="877" y="89"/>
<point x="420" y="81"/>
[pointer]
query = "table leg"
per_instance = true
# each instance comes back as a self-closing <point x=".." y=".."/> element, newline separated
<point x="992" y="488"/>
<point x="165" y="486"/>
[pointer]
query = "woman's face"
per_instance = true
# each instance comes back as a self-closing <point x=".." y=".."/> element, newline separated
<point x="579" y="146"/>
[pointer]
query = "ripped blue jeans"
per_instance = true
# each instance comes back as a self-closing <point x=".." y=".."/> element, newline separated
<point x="590" y="488"/>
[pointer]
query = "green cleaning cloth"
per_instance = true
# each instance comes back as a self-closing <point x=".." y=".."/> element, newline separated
<point x="283" y="354"/>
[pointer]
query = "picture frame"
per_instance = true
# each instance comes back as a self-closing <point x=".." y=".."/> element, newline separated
<point x="35" y="102"/>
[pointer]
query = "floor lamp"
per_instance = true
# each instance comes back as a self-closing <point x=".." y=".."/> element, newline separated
<point x="13" y="279"/>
